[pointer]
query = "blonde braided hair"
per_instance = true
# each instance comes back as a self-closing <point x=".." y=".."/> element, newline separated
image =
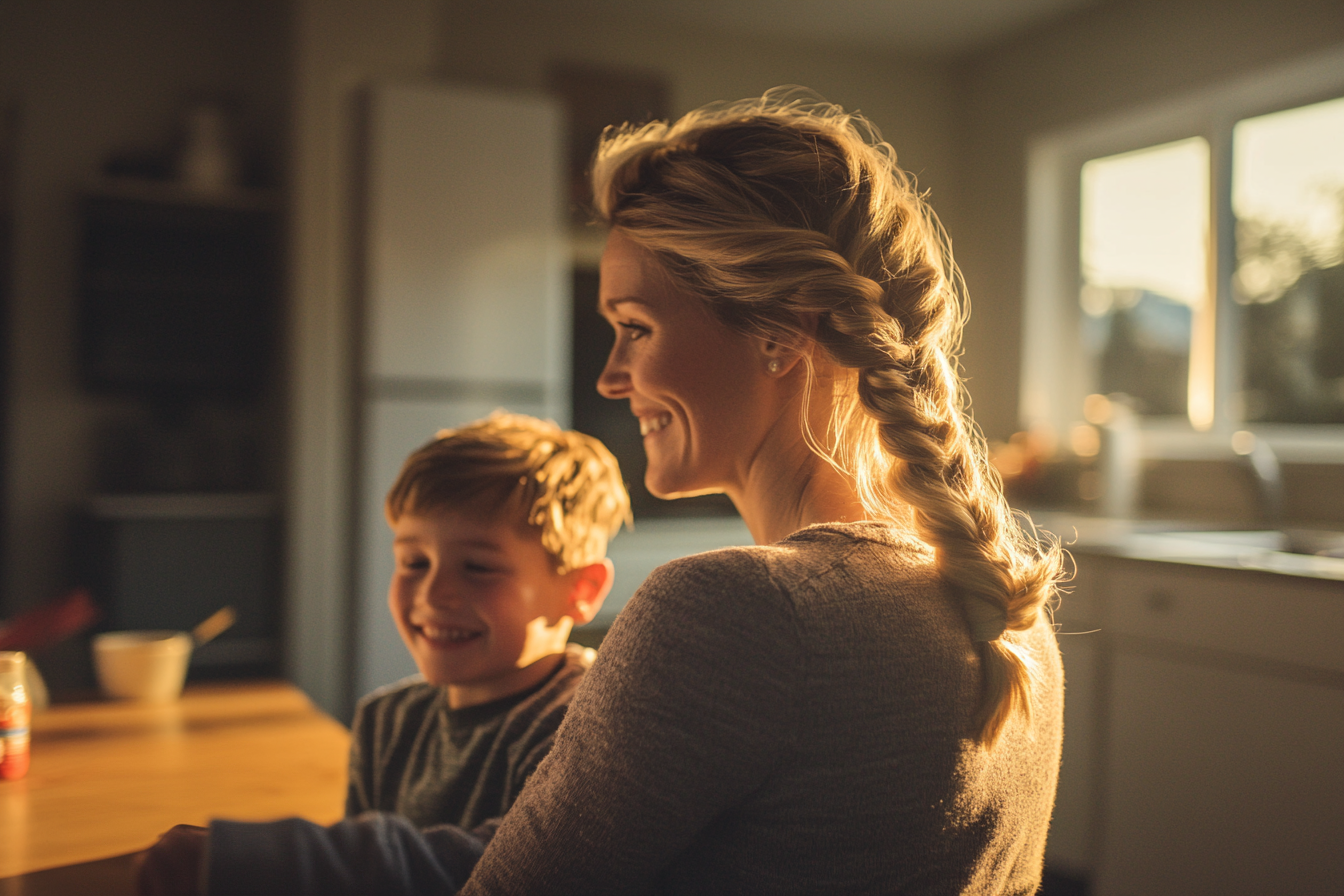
<point x="791" y="218"/>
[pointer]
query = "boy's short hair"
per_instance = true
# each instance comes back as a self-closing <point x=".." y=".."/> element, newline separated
<point x="565" y="483"/>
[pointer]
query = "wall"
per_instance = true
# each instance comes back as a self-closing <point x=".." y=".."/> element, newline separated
<point x="510" y="43"/>
<point x="1106" y="59"/>
<point x="89" y="78"/>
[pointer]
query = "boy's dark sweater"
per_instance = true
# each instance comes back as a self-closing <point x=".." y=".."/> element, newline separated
<point x="412" y="755"/>
<point x="427" y="787"/>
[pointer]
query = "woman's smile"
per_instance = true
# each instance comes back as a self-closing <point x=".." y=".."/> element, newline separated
<point x="696" y="386"/>
<point x="653" y="423"/>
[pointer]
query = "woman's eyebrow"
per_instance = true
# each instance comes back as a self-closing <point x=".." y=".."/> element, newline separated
<point x="611" y="304"/>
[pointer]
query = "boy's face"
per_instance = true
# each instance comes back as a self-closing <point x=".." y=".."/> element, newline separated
<point x="478" y="603"/>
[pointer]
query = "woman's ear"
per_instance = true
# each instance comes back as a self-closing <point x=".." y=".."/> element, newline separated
<point x="779" y="357"/>
<point x="779" y="354"/>
<point x="588" y="587"/>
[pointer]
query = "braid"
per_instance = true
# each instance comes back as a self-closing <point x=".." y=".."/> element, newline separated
<point x="778" y="212"/>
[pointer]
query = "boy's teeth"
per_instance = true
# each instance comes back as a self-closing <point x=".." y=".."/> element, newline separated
<point x="653" y="424"/>
<point x="446" y="634"/>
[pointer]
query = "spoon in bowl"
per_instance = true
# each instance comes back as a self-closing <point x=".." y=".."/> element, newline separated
<point x="213" y="626"/>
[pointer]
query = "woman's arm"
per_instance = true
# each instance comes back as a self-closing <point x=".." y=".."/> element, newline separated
<point x="687" y="709"/>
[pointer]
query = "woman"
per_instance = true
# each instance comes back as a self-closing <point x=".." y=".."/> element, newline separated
<point x="870" y="699"/>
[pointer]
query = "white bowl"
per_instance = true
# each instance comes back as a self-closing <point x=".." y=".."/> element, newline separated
<point x="143" y="665"/>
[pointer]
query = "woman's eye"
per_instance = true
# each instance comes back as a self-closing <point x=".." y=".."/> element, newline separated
<point x="634" y="331"/>
<point x="415" y="563"/>
<point x="482" y="569"/>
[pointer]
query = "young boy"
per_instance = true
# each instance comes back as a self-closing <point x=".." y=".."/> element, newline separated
<point x="500" y="533"/>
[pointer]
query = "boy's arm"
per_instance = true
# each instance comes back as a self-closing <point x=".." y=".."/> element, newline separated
<point x="373" y="853"/>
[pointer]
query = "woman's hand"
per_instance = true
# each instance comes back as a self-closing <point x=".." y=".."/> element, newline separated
<point x="172" y="866"/>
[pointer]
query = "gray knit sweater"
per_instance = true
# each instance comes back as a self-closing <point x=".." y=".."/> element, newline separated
<point x="795" y="718"/>
<point x="413" y="755"/>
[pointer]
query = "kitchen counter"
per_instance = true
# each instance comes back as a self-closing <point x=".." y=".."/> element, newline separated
<point x="1199" y="544"/>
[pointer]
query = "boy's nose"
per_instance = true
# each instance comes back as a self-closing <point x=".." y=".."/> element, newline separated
<point x="439" y="591"/>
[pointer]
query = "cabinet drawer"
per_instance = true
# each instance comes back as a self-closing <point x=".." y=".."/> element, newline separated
<point x="1284" y="619"/>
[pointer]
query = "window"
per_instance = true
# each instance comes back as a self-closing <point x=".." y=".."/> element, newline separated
<point x="1190" y="258"/>
<point x="1288" y="199"/>
<point x="1143" y="248"/>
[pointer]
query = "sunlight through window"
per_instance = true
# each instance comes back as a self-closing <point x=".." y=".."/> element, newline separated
<point x="1145" y="297"/>
<point x="1288" y="198"/>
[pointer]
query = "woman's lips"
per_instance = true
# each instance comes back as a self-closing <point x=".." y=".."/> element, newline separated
<point x="654" y="423"/>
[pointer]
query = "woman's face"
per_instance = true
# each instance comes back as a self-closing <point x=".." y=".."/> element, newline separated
<point x="697" y="387"/>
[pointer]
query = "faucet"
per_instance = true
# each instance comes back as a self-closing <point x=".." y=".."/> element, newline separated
<point x="1120" y="453"/>
<point x="1262" y="464"/>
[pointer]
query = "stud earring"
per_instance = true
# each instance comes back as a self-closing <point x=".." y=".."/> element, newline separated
<point x="773" y="365"/>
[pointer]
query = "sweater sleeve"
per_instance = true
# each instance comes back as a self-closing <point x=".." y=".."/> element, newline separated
<point x="374" y="853"/>
<point x="687" y="709"/>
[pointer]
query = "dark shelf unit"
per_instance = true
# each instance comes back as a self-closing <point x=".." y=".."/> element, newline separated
<point x="178" y="311"/>
<point x="178" y="292"/>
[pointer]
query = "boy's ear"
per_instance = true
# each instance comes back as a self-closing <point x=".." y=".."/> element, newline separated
<point x="588" y="587"/>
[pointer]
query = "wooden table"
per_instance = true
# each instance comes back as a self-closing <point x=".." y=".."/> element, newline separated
<point x="108" y="777"/>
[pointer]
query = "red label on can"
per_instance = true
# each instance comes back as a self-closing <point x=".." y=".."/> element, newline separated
<point x="14" y="741"/>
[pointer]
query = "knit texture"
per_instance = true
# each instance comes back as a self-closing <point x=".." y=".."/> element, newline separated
<point x="412" y="755"/>
<point x="793" y="718"/>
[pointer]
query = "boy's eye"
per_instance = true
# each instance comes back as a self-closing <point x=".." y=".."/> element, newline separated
<point x="416" y="563"/>
<point x="482" y="568"/>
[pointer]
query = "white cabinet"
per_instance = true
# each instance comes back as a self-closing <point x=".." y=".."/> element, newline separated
<point x="1208" y="741"/>
<point x="465" y="301"/>
<point x="1072" y="846"/>
<point x="1220" y="781"/>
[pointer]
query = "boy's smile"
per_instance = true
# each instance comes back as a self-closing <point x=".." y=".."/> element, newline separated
<point x="478" y="603"/>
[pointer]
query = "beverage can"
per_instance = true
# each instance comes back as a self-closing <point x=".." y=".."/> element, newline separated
<point x="15" y="715"/>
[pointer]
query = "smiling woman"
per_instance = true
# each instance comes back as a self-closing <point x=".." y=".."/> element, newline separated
<point x="870" y="699"/>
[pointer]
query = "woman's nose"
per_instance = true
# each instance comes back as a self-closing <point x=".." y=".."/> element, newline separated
<point x="615" y="380"/>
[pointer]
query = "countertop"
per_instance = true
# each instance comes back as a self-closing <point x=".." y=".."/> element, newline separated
<point x="1200" y="544"/>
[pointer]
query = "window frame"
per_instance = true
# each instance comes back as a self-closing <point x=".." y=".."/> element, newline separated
<point x="1052" y="391"/>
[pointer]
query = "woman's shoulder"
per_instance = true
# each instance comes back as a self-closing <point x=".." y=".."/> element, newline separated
<point x="808" y="555"/>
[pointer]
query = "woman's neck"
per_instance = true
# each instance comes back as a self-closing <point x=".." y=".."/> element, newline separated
<point x="788" y="487"/>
